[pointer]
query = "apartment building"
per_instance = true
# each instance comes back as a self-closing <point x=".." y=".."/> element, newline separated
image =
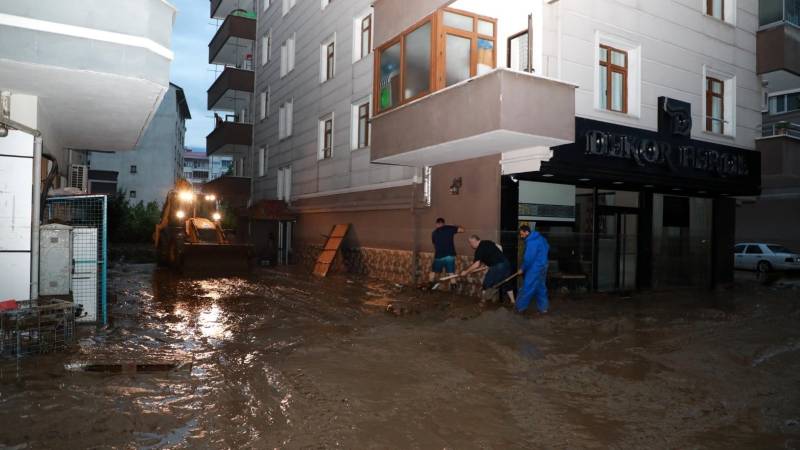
<point x="200" y="168"/>
<point x="150" y="171"/>
<point x="775" y="216"/>
<point x="624" y="132"/>
<point x="79" y="76"/>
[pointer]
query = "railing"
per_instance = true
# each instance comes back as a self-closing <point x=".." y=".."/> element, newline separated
<point x="789" y="129"/>
<point x="777" y="12"/>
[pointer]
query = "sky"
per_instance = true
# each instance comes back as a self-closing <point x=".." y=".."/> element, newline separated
<point x="190" y="70"/>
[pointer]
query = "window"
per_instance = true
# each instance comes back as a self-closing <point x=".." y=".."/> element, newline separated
<point x="134" y="169"/>
<point x="715" y="105"/>
<point x="783" y="103"/>
<point x="266" y="47"/>
<point x="719" y="102"/>
<point x="362" y="30"/>
<point x="775" y="12"/>
<point x="288" y="5"/>
<point x="262" y="161"/>
<point x="361" y="125"/>
<point x="754" y="250"/>
<point x="464" y="32"/>
<point x="739" y="249"/>
<point x="285" y="184"/>
<point x="518" y="55"/>
<point x="285" y="118"/>
<point x="265" y="4"/>
<point x="264" y="104"/>
<point x="132" y="194"/>
<point x="716" y="8"/>
<point x="325" y="3"/>
<point x="287" y="56"/>
<point x="327" y="59"/>
<point x="613" y="79"/>
<point x="443" y="49"/>
<point x="326" y="137"/>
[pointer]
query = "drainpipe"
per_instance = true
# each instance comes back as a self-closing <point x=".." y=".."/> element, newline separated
<point x="7" y="123"/>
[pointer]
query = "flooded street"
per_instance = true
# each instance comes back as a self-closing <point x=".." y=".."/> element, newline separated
<point x="284" y="360"/>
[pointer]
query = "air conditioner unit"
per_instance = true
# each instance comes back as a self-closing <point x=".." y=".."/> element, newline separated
<point x="79" y="177"/>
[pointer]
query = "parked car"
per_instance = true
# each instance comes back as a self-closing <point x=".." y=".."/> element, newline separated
<point x="765" y="257"/>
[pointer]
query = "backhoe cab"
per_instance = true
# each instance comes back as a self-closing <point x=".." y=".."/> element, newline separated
<point x="190" y="236"/>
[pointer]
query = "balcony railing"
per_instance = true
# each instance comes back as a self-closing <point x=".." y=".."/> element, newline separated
<point x="233" y="41"/>
<point x="776" y="12"/>
<point x="789" y="129"/>
<point x="231" y="90"/>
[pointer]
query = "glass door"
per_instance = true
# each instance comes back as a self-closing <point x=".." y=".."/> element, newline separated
<point x="617" y="249"/>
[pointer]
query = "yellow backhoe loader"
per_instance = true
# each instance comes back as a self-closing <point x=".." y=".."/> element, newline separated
<point x="190" y="237"/>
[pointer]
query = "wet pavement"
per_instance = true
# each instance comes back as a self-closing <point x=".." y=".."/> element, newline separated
<point x="284" y="360"/>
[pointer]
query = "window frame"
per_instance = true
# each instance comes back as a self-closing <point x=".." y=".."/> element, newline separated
<point x="363" y="112"/>
<point x="326" y="132"/>
<point x="438" y="67"/>
<point x="710" y="9"/>
<point x="610" y="70"/>
<point x="266" y="48"/>
<point x="368" y="30"/>
<point x="134" y="169"/>
<point x="508" y="47"/>
<point x="327" y="59"/>
<point x="473" y="36"/>
<point x="262" y="161"/>
<point x="264" y="104"/>
<point x="710" y="95"/>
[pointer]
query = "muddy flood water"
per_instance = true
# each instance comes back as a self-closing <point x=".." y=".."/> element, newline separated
<point x="284" y="360"/>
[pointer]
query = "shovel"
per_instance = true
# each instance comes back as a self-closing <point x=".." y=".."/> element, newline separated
<point x="453" y="277"/>
<point x="493" y="289"/>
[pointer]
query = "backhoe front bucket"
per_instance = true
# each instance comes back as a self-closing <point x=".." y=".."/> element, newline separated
<point x="216" y="258"/>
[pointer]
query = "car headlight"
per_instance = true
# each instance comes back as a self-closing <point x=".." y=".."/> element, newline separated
<point x="186" y="196"/>
<point x="217" y="216"/>
<point x="180" y="214"/>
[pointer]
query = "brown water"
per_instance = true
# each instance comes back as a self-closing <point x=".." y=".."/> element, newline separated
<point x="284" y="360"/>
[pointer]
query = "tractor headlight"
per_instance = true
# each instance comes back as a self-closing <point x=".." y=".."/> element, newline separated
<point x="180" y="214"/>
<point x="211" y="197"/>
<point x="217" y="216"/>
<point x="186" y="196"/>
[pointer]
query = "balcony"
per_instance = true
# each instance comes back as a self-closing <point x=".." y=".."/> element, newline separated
<point x="220" y="9"/>
<point x="778" y="44"/>
<point x="494" y="113"/>
<point x="230" y="139"/>
<point x="780" y="155"/>
<point x="115" y="53"/>
<point x="234" y="41"/>
<point x="232" y="90"/>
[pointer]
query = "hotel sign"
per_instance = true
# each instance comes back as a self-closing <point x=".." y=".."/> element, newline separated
<point x="675" y="157"/>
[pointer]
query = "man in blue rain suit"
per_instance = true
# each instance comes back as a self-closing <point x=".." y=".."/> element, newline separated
<point x="534" y="266"/>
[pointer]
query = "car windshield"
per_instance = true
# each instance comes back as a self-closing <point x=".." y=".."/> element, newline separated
<point x="779" y="249"/>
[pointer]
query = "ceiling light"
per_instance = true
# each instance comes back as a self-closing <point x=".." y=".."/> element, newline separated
<point x="548" y="175"/>
<point x="618" y="183"/>
<point x="584" y="179"/>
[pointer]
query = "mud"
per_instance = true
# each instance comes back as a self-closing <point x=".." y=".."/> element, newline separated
<point x="283" y="360"/>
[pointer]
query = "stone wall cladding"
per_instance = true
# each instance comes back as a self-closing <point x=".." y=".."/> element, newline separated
<point x="394" y="266"/>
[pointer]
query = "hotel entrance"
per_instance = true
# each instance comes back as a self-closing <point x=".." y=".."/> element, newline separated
<point x="626" y="209"/>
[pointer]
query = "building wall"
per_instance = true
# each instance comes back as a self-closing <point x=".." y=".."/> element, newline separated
<point x="677" y="41"/>
<point x="158" y="157"/>
<point x="312" y="100"/>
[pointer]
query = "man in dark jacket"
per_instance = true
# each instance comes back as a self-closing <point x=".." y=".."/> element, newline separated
<point x="534" y="266"/>
<point x="489" y="254"/>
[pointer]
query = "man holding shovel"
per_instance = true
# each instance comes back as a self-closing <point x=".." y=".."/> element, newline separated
<point x="488" y="254"/>
<point x="534" y="266"/>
